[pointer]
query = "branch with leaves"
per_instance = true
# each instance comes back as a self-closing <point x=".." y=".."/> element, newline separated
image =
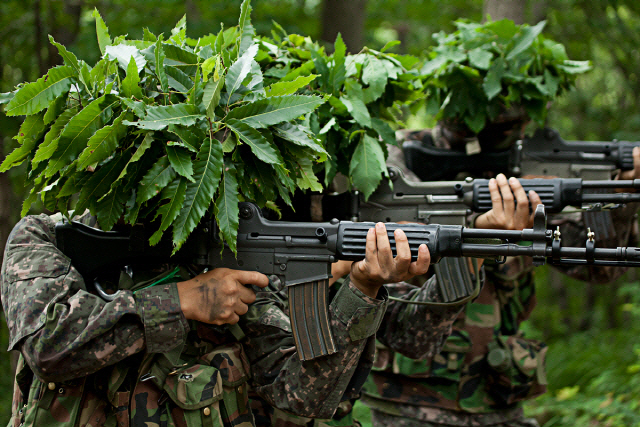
<point x="366" y="91"/>
<point x="165" y="131"/>
<point x="477" y="72"/>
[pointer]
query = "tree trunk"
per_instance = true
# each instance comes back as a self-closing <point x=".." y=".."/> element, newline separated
<point x="500" y="9"/>
<point x="346" y="18"/>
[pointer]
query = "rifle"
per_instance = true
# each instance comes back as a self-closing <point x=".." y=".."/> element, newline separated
<point x="449" y="202"/>
<point x="301" y="254"/>
<point x="545" y="153"/>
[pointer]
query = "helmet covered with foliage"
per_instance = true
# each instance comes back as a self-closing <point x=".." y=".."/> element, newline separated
<point x="489" y="80"/>
<point x="168" y="131"/>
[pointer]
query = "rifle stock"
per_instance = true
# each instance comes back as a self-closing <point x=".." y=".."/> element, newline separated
<point x="301" y="254"/>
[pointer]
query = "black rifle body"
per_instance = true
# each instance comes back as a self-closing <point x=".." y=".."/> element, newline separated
<point x="449" y="202"/>
<point x="543" y="154"/>
<point x="301" y="254"/>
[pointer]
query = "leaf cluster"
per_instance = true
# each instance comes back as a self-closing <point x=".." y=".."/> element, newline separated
<point x="365" y="92"/>
<point x="481" y="70"/>
<point x="165" y="131"/>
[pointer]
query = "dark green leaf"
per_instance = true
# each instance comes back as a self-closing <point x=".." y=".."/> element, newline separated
<point x="155" y="180"/>
<point x="274" y="110"/>
<point x="158" y="118"/>
<point x="35" y="97"/>
<point x="74" y="137"/>
<point x="199" y="194"/>
<point x="227" y="206"/>
<point x="254" y="139"/>
<point x="180" y="160"/>
<point x="175" y="194"/>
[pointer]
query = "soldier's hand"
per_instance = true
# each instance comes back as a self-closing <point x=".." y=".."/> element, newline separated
<point x="510" y="205"/>
<point x="339" y="269"/>
<point x="635" y="172"/>
<point x="380" y="267"/>
<point x="219" y="296"/>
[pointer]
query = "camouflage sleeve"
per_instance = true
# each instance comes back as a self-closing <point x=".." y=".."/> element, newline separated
<point x="414" y="330"/>
<point x="612" y="228"/>
<point x="312" y="388"/>
<point x="65" y="332"/>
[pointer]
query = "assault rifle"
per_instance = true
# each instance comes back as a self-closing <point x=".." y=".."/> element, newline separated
<point x="301" y="254"/>
<point x="449" y="202"/>
<point x="545" y="153"/>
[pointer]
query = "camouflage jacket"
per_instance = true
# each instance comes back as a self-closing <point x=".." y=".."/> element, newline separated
<point x="486" y="367"/>
<point x="137" y="361"/>
<point x="431" y="326"/>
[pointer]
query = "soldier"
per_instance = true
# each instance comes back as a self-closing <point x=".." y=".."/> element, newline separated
<point x="174" y="349"/>
<point x="486" y="368"/>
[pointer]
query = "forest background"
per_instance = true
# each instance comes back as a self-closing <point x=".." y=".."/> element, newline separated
<point x="594" y="357"/>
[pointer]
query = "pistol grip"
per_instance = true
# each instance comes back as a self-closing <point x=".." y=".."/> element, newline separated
<point x="308" y="309"/>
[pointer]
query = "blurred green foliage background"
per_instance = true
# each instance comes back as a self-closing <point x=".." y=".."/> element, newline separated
<point x="594" y="357"/>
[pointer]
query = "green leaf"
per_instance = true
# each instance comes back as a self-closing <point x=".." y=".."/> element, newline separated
<point x="28" y="135"/>
<point x="525" y="39"/>
<point x="306" y="178"/>
<point x="244" y="24"/>
<point x="123" y="53"/>
<point x="338" y="70"/>
<point x="375" y="75"/>
<point x="5" y="97"/>
<point x="367" y="165"/>
<point x="50" y="143"/>
<point x="180" y="160"/>
<point x="130" y="83"/>
<point x="227" y="206"/>
<point x="74" y="137"/>
<point x="155" y="180"/>
<point x="254" y="139"/>
<point x="100" y="182"/>
<point x="162" y="77"/>
<point x="211" y="96"/>
<point x="492" y="84"/>
<point x="189" y="138"/>
<point x="240" y="69"/>
<point x="355" y="105"/>
<point x="142" y="148"/>
<point x="199" y="194"/>
<point x="35" y="97"/>
<point x="178" y="80"/>
<point x="102" y="31"/>
<point x="110" y="208"/>
<point x="55" y="108"/>
<point x="158" y="118"/>
<point x="103" y="143"/>
<point x="181" y="59"/>
<point x="299" y="136"/>
<point x="175" y="194"/>
<point x="289" y="87"/>
<point x="274" y="110"/>
<point x="480" y="58"/>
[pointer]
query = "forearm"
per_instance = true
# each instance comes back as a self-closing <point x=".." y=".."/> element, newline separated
<point x="63" y="330"/>
<point x="312" y="388"/>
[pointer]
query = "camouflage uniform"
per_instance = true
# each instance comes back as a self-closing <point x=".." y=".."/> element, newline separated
<point x="431" y="326"/>
<point x="136" y="360"/>
<point x="486" y="367"/>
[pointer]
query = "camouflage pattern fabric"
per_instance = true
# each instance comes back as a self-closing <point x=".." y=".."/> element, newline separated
<point x="486" y="367"/>
<point x="431" y="326"/>
<point x="137" y="361"/>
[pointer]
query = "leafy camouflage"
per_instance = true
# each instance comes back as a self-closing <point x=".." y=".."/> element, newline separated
<point x="137" y="361"/>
